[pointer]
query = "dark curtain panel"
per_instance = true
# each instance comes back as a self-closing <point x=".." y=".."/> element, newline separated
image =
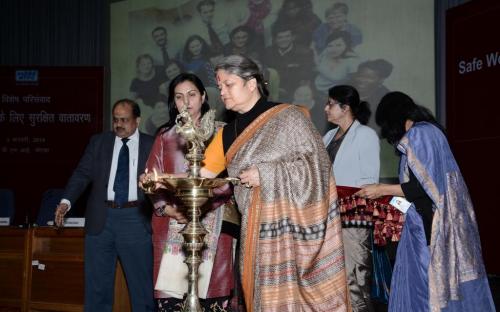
<point x="54" y="32"/>
<point x="440" y="45"/>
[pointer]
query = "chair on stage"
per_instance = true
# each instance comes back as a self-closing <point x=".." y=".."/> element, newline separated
<point x="7" y="209"/>
<point x="50" y="200"/>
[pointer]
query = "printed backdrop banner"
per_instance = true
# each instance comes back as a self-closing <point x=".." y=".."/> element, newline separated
<point x="47" y="115"/>
<point x="304" y="47"/>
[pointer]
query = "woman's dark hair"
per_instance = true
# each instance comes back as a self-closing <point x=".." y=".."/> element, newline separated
<point x="172" y="108"/>
<point x="305" y="9"/>
<point x="345" y="36"/>
<point x="382" y="67"/>
<point x="244" y="29"/>
<point x="393" y="111"/>
<point x="339" y="6"/>
<point x="140" y="57"/>
<point x="143" y="57"/>
<point x="348" y="96"/>
<point x="205" y="48"/>
<point x="173" y="62"/>
<point x="244" y="68"/>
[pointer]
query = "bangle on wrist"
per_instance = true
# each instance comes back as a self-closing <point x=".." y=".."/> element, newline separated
<point x="160" y="211"/>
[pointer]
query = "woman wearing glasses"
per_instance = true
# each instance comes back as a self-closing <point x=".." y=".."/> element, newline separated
<point x="354" y="151"/>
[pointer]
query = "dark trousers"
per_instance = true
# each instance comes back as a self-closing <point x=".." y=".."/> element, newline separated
<point x="126" y="237"/>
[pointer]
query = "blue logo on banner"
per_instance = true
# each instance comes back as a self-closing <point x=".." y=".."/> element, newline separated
<point x="26" y="75"/>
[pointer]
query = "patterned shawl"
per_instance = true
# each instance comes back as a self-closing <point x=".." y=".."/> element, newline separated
<point x="455" y="247"/>
<point x="292" y="257"/>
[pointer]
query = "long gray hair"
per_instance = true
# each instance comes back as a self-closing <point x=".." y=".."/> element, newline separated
<point x="244" y="68"/>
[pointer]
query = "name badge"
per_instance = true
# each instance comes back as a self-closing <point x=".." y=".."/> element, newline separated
<point x="70" y="222"/>
<point x="400" y="203"/>
<point x="74" y="222"/>
<point x="4" y="221"/>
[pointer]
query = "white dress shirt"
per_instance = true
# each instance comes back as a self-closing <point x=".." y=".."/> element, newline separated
<point x="133" y="147"/>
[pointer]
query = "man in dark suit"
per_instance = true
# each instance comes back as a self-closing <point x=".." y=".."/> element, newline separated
<point x="117" y="218"/>
<point x="206" y="9"/>
<point x="160" y="37"/>
<point x="294" y="63"/>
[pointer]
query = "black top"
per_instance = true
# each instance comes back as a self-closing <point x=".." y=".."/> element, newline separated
<point x="236" y="127"/>
<point x="230" y="133"/>
<point x="423" y="204"/>
<point x="334" y="145"/>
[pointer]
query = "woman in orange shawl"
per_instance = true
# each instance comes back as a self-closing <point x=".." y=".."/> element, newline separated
<point x="291" y="255"/>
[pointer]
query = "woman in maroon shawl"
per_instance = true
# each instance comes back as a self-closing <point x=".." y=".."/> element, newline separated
<point x="167" y="156"/>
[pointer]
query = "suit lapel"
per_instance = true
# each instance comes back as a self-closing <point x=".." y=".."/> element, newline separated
<point x="109" y="145"/>
<point x="143" y="155"/>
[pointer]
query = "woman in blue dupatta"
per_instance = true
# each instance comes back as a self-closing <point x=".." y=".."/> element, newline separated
<point x="439" y="266"/>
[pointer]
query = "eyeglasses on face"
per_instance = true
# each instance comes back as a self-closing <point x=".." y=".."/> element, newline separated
<point x="331" y="102"/>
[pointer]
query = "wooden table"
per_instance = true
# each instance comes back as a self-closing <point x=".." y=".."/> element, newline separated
<point x="42" y="269"/>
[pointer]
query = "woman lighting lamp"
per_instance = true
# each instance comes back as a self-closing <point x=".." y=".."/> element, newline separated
<point x="291" y="255"/>
<point x="168" y="155"/>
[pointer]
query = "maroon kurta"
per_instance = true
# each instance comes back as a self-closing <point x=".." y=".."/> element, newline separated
<point x="167" y="156"/>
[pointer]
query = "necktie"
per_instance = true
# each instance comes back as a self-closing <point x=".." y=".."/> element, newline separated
<point x="164" y="55"/>
<point x="122" y="175"/>
<point x="217" y="46"/>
